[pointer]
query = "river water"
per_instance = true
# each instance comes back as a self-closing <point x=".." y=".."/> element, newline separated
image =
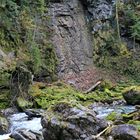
<point x="119" y="109"/>
<point x="20" y="120"/>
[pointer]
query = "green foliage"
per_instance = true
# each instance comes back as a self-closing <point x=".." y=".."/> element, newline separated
<point x="23" y="29"/>
<point x="131" y="19"/>
<point x="23" y="103"/>
<point x="36" y="58"/>
<point x="50" y="60"/>
<point x="112" y="53"/>
<point x="4" y="98"/>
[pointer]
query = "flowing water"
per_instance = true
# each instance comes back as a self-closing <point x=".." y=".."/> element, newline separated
<point x="106" y="110"/>
<point x="20" y="120"/>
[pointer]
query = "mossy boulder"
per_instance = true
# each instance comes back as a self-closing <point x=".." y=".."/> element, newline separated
<point x="4" y="125"/>
<point x="132" y="95"/>
<point x="4" y="98"/>
<point x="22" y="103"/>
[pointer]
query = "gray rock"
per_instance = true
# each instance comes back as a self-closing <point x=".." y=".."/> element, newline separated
<point x="23" y="135"/>
<point x="9" y="111"/>
<point x="125" y="132"/>
<point x="38" y="134"/>
<point x="33" y="113"/>
<point x="70" y="123"/>
<point x="11" y="55"/>
<point x="17" y="136"/>
<point x="71" y="38"/>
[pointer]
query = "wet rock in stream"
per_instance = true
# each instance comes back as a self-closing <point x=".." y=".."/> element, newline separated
<point x="26" y="135"/>
<point x="64" y="122"/>
<point x="125" y="132"/>
<point x="4" y="125"/>
<point x="31" y="113"/>
<point x="23" y="128"/>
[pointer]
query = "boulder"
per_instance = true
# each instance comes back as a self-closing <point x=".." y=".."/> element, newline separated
<point x="4" y="125"/>
<point x="125" y="132"/>
<point x="23" y="103"/>
<point x="23" y="135"/>
<point x="132" y="96"/>
<point x="34" y="113"/>
<point x="8" y="111"/>
<point x="63" y="122"/>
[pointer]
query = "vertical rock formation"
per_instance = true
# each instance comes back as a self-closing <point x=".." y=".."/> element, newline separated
<point x="71" y="37"/>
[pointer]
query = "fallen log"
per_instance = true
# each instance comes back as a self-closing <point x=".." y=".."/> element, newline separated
<point x="93" y="87"/>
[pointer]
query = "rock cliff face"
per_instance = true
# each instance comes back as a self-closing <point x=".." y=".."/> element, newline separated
<point x="71" y="37"/>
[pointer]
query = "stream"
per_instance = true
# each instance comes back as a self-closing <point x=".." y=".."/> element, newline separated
<point x="20" y="120"/>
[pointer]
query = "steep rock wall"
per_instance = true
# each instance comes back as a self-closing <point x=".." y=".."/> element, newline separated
<point x="71" y="37"/>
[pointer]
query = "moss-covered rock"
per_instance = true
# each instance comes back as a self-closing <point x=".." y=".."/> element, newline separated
<point x="65" y="122"/>
<point x="47" y="95"/>
<point x="3" y="125"/>
<point x="132" y="95"/>
<point x="23" y="103"/>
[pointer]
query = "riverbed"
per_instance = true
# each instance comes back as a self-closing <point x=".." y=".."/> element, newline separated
<point x="20" y="121"/>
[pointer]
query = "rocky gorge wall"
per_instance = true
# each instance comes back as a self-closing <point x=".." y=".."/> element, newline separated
<point x="73" y="23"/>
<point x="71" y="36"/>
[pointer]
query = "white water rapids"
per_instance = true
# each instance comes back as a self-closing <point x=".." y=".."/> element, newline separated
<point x="20" y="121"/>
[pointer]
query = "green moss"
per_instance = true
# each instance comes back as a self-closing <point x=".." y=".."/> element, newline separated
<point x="106" y="84"/>
<point x="112" y="116"/>
<point x="136" y="123"/>
<point x="127" y="117"/>
<point x="4" y="79"/>
<point x="135" y="88"/>
<point x="46" y="96"/>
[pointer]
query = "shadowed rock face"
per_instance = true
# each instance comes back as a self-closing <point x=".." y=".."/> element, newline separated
<point x="71" y="37"/>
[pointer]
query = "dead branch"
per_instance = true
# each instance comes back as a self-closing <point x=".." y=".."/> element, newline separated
<point x="102" y="132"/>
<point x="93" y="87"/>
